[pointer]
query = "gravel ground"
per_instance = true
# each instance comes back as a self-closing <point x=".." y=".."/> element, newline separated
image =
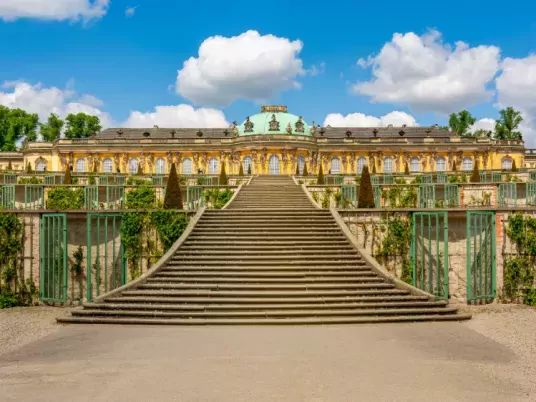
<point x="513" y="326"/>
<point x="22" y="325"/>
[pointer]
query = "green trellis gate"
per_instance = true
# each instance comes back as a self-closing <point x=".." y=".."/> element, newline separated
<point x="481" y="256"/>
<point x="53" y="258"/>
<point x="429" y="253"/>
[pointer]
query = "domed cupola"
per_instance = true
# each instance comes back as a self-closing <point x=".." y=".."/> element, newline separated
<point x="274" y="120"/>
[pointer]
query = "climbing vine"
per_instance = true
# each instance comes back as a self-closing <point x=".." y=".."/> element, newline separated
<point x="216" y="198"/>
<point x="396" y="244"/>
<point x="30" y="180"/>
<point x="62" y="198"/>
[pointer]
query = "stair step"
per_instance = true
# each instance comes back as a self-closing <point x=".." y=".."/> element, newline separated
<point x="264" y="294"/>
<point x="289" y="253"/>
<point x="178" y="267"/>
<point x="252" y="246"/>
<point x="227" y="280"/>
<point x="377" y="284"/>
<point x="225" y="274"/>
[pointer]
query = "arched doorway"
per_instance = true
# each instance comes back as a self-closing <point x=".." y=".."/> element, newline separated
<point x="273" y="164"/>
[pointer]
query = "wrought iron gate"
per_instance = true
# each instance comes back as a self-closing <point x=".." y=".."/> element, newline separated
<point x="429" y="253"/>
<point x="481" y="256"/>
<point x="106" y="263"/>
<point x="349" y="196"/>
<point x="53" y="258"/>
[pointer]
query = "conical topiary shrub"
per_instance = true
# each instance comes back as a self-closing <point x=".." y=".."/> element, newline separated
<point x="95" y="168"/>
<point x="223" y="176"/>
<point x="249" y="169"/>
<point x="241" y="170"/>
<point x="29" y="168"/>
<point x="67" y="179"/>
<point x="297" y="170"/>
<point x="320" y="177"/>
<point x="9" y="167"/>
<point x="365" y="198"/>
<point x="173" y="199"/>
<point x="140" y="170"/>
<point x="374" y="168"/>
<point x="406" y="168"/>
<point x="454" y="167"/>
<point x="514" y="167"/>
<point x="305" y="172"/>
<point x="475" y="176"/>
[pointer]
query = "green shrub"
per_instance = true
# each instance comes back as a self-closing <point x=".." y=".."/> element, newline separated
<point x="217" y="198"/>
<point x="223" y="176"/>
<point x="365" y="197"/>
<point x="67" y="178"/>
<point x="305" y="172"/>
<point x="170" y="225"/>
<point x="62" y="198"/>
<point x="406" y="169"/>
<point x="173" y="199"/>
<point x="249" y="169"/>
<point x="241" y="170"/>
<point x="30" y="180"/>
<point x="137" y="181"/>
<point x="320" y="177"/>
<point x="475" y="177"/>
<point x="141" y="197"/>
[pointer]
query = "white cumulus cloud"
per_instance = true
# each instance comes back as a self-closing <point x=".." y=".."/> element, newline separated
<point x="45" y="100"/>
<point x="516" y="87"/>
<point x="428" y="75"/>
<point x="483" y="124"/>
<point x="248" y="66"/>
<point x="396" y="118"/>
<point x="179" y="116"/>
<point x="56" y="10"/>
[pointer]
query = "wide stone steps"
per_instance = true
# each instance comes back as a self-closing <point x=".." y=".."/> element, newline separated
<point x="271" y="258"/>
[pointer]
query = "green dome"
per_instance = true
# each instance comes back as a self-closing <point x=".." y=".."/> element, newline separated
<point x="274" y="120"/>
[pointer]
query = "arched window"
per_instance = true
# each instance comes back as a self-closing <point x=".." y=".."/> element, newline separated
<point x="273" y="164"/>
<point x="213" y="166"/>
<point x="160" y="165"/>
<point x="40" y="165"/>
<point x="506" y="164"/>
<point x="441" y="164"/>
<point x="107" y="165"/>
<point x="246" y="164"/>
<point x="335" y="165"/>
<point x="388" y="165"/>
<point x="467" y="164"/>
<point x="415" y="164"/>
<point x="81" y="165"/>
<point x="186" y="166"/>
<point x="301" y="164"/>
<point x="133" y="166"/>
<point x="361" y="162"/>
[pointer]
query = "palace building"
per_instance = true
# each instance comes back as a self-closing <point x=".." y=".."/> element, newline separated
<point x="272" y="142"/>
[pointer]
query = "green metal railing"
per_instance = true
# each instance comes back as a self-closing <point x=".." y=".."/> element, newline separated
<point x="103" y="180"/>
<point x="451" y="196"/>
<point x="10" y="178"/>
<point x="442" y="178"/>
<point x="426" y="196"/>
<point x="7" y="197"/>
<point x="481" y="256"/>
<point x="338" y="180"/>
<point x="157" y="180"/>
<point x="377" y="190"/>
<point x="195" y="197"/>
<point x="429" y="253"/>
<point x="50" y="180"/>
<point x="91" y="197"/>
<point x="496" y="177"/>
<point x="532" y="176"/>
<point x="115" y="197"/>
<point x="388" y="179"/>
<point x="427" y="179"/>
<point x="374" y="180"/>
<point x="349" y="196"/>
<point x="106" y="259"/>
<point x="119" y="180"/>
<point x="531" y="193"/>
<point x="34" y="196"/>
<point x="507" y="195"/>
<point x="53" y="258"/>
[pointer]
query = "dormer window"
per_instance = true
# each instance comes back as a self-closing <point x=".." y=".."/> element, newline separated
<point x="299" y="126"/>
<point x="322" y="131"/>
<point x="199" y="133"/>
<point x="401" y="133"/>
<point x="146" y="134"/>
<point x="348" y="133"/>
<point x="274" y="124"/>
<point x="173" y="133"/>
<point x="248" y="126"/>
<point x="226" y="132"/>
<point x="375" y="132"/>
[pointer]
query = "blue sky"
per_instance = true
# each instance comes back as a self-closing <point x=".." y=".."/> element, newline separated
<point x="130" y="62"/>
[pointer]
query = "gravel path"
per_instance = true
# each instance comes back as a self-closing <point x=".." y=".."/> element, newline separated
<point x="513" y="326"/>
<point x="22" y="325"/>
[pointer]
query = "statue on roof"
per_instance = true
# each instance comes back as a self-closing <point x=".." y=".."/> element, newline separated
<point x="248" y="126"/>
<point x="274" y="124"/>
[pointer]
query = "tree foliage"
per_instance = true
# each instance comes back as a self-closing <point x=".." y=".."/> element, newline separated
<point x="173" y="199"/>
<point x="241" y="170"/>
<point x="81" y="125"/>
<point x="506" y="126"/>
<point x="461" y="123"/>
<point x="16" y="125"/>
<point x="305" y="172"/>
<point x="320" y="177"/>
<point x="51" y="130"/>
<point x="365" y="198"/>
<point x="475" y="176"/>
<point x="406" y="168"/>
<point x="223" y="176"/>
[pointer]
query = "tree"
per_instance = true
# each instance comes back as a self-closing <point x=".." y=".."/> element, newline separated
<point x="406" y="168"/>
<point x="241" y="170"/>
<point x="305" y="172"/>
<point x="506" y="126"/>
<point x="15" y="125"/>
<point x="249" y="169"/>
<point x="9" y="166"/>
<point x="223" y="176"/>
<point x="81" y="125"/>
<point x="514" y="167"/>
<point x="454" y="168"/>
<point x="173" y="199"/>
<point x="374" y="168"/>
<point x="461" y="123"/>
<point x="480" y="133"/>
<point x="29" y="167"/>
<point x="67" y="178"/>
<point x="297" y="170"/>
<point x="475" y="177"/>
<point x="95" y="167"/>
<point x="51" y="130"/>
<point x="140" y="170"/>
<point x="365" y="198"/>
<point x="320" y="177"/>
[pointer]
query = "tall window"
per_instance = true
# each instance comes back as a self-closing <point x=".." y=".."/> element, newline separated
<point x="415" y="164"/>
<point x="80" y="165"/>
<point x="133" y="166"/>
<point x="301" y="164"/>
<point x="246" y="164"/>
<point x="273" y="164"/>
<point x="467" y="163"/>
<point x="441" y="164"/>
<point x="361" y="162"/>
<point x="506" y="164"/>
<point x="213" y="166"/>
<point x="160" y="166"/>
<point x="186" y="166"/>
<point x="40" y="165"/>
<point x="388" y="165"/>
<point x="335" y="165"/>
<point x="107" y="165"/>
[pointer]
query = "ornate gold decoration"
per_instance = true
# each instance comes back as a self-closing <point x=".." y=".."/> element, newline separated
<point x="299" y="126"/>
<point x="248" y="126"/>
<point x="274" y="124"/>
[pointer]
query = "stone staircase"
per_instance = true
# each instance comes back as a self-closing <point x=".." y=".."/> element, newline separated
<point x="270" y="258"/>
